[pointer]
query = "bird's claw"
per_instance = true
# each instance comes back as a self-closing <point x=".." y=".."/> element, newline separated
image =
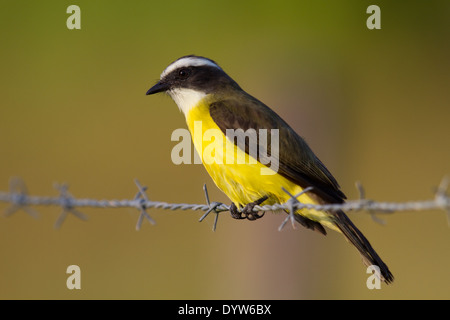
<point x="247" y="212"/>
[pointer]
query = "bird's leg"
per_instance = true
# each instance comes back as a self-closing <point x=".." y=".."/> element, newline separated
<point x="248" y="209"/>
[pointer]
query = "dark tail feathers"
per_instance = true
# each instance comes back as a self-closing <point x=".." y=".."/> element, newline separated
<point x="370" y="257"/>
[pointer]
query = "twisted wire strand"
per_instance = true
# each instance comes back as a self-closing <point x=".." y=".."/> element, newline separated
<point x="20" y="200"/>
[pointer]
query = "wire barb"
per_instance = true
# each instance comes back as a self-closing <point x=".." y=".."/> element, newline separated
<point x="212" y="207"/>
<point x="142" y="200"/>
<point x="442" y="198"/>
<point x="291" y="207"/>
<point x="19" y="193"/>
<point x="362" y="198"/>
<point x="67" y="204"/>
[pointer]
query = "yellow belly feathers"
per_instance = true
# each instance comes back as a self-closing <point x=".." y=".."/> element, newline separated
<point x="242" y="183"/>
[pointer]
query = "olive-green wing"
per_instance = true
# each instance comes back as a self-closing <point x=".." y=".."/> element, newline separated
<point x="297" y="162"/>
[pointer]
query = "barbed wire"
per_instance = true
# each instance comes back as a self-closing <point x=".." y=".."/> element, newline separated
<point x="20" y="200"/>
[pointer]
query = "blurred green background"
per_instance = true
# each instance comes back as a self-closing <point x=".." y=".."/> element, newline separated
<point x="373" y="104"/>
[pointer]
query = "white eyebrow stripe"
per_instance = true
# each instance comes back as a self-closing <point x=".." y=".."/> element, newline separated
<point x="188" y="62"/>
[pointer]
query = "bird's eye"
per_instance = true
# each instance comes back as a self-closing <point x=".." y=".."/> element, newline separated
<point x="184" y="73"/>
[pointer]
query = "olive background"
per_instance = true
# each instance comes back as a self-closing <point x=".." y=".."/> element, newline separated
<point x="373" y="104"/>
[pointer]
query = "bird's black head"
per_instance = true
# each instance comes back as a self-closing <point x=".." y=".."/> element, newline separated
<point x="193" y="72"/>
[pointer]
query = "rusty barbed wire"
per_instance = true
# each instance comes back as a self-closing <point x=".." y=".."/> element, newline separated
<point x="20" y="200"/>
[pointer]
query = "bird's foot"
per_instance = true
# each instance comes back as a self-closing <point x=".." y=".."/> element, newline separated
<point x="247" y="212"/>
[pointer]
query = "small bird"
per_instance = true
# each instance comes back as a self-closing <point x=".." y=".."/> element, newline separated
<point x="212" y="100"/>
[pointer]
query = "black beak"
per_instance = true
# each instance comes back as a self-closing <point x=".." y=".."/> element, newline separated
<point x="159" y="87"/>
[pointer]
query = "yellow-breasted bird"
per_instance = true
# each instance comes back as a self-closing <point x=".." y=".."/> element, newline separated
<point x="211" y="100"/>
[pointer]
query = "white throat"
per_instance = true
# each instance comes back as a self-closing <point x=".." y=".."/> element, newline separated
<point x="186" y="99"/>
